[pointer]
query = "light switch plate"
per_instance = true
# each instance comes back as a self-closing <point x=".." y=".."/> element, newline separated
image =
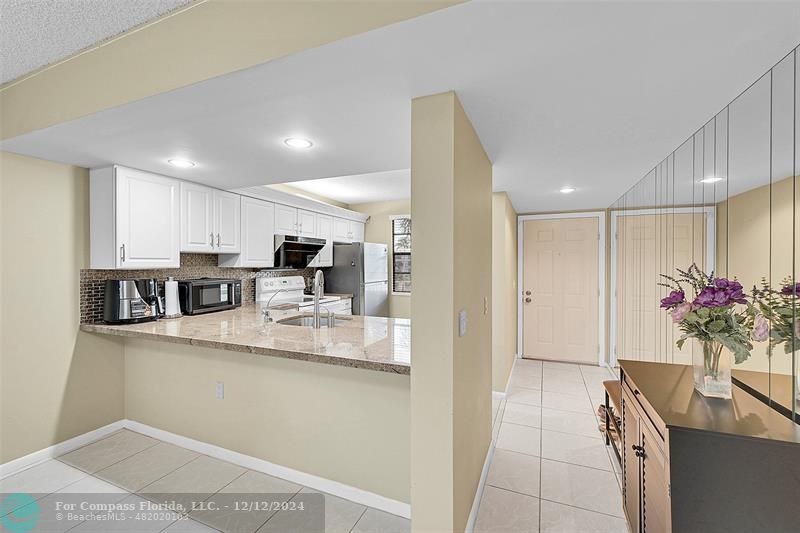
<point x="462" y="322"/>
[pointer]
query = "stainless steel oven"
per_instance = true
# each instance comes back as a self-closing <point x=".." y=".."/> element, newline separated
<point x="206" y="295"/>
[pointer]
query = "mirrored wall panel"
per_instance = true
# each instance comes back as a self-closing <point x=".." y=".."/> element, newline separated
<point x="725" y="203"/>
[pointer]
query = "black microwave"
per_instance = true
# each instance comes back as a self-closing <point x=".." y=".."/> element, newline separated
<point x="206" y="295"/>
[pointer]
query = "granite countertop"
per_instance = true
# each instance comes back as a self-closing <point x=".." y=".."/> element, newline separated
<point x="372" y="343"/>
<point x="669" y="389"/>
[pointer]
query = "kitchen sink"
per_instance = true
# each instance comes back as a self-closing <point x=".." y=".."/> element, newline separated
<point x="308" y="321"/>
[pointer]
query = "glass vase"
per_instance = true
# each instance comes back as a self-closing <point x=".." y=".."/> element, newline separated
<point x="712" y="370"/>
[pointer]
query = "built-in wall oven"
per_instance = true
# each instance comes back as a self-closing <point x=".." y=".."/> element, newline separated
<point x="206" y="295"/>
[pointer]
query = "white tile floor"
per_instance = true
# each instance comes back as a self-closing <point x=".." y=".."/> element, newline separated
<point x="551" y="470"/>
<point x="126" y="467"/>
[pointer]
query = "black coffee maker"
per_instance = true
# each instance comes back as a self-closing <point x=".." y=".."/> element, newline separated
<point x="131" y="300"/>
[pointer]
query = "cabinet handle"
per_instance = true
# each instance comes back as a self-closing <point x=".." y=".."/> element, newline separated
<point x="217" y="240"/>
<point x="122" y="253"/>
<point x="637" y="448"/>
<point x="212" y="239"/>
<point x="636" y="392"/>
<point x="638" y="454"/>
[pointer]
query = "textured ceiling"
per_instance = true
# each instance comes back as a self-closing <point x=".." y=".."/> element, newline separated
<point x="36" y="33"/>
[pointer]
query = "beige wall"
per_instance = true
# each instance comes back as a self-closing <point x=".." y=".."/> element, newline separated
<point x="504" y="289"/>
<point x="379" y="229"/>
<point x="340" y="423"/>
<point x="754" y="240"/>
<point x="451" y="180"/>
<point x="211" y="38"/>
<point x="55" y="382"/>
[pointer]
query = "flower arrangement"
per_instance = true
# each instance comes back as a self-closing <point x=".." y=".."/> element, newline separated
<point x="774" y="314"/>
<point x="713" y="318"/>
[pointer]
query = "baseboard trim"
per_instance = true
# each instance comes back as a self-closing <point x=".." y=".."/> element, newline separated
<point x="17" y="465"/>
<point x="476" y="503"/>
<point x="335" y="488"/>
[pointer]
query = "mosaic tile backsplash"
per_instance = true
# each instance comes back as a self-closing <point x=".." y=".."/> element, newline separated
<point x="92" y="282"/>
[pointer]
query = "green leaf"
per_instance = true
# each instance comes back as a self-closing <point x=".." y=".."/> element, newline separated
<point x="716" y="326"/>
<point x="740" y="352"/>
<point x="703" y="312"/>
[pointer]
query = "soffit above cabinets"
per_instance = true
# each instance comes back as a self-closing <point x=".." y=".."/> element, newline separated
<point x="585" y="94"/>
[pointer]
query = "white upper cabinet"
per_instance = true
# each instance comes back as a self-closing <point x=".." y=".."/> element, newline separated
<point x="227" y="222"/>
<point x="197" y="218"/>
<point x="324" y="231"/>
<point x="306" y="223"/>
<point x="210" y="220"/>
<point x="341" y="230"/>
<point x="285" y="220"/>
<point x="258" y="236"/>
<point x="356" y="231"/>
<point x="347" y="230"/>
<point x="134" y="219"/>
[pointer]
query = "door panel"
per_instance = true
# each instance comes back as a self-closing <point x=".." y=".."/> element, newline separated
<point x="560" y="272"/>
<point x="306" y="223"/>
<point x="258" y="242"/>
<point x="341" y="230"/>
<point x="655" y="495"/>
<point x="197" y="213"/>
<point x="630" y="462"/>
<point x="228" y="218"/>
<point x="285" y="220"/>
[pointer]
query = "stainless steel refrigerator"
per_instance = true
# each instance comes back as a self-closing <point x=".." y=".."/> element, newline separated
<point x="361" y="269"/>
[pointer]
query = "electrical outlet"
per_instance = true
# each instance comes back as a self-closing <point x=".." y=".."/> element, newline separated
<point x="220" y="390"/>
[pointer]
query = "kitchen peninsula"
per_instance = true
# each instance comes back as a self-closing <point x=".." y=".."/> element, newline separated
<point x="372" y="343"/>
<point x="313" y="406"/>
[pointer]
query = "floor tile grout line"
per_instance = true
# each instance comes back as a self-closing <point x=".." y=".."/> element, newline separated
<point x="112" y="464"/>
<point x="556" y="430"/>
<point x="540" y="498"/>
<point x="359" y="519"/>
<point x="134" y="455"/>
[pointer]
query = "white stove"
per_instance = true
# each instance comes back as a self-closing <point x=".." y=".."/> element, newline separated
<point x="287" y="290"/>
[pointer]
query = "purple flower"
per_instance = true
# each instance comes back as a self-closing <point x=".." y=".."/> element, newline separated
<point x="680" y="311"/>
<point x="760" y="329"/>
<point x="721" y="293"/>
<point x="674" y="298"/>
<point x="789" y="290"/>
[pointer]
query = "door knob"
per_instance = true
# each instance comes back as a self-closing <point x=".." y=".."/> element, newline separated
<point x="527" y="300"/>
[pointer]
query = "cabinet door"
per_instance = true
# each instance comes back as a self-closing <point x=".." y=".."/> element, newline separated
<point x="197" y="212"/>
<point x="285" y="220"/>
<point x="258" y="235"/>
<point x="324" y="231"/>
<point x="655" y="492"/>
<point x="630" y="461"/>
<point x="227" y="222"/>
<point x="306" y="223"/>
<point x="341" y="230"/>
<point x="356" y="231"/>
<point x="147" y="220"/>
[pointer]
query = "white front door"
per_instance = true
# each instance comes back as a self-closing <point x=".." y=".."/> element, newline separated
<point x="561" y="289"/>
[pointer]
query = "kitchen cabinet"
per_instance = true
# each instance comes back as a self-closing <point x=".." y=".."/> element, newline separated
<point x="227" y="221"/>
<point x="257" y="236"/>
<point x="134" y="219"/>
<point x="285" y="220"/>
<point x="324" y="231"/>
<point x="197" y="218"/>
<point x="210" y="220"/>
<point x="347" y="230"/>
<point x="306" y="223"/>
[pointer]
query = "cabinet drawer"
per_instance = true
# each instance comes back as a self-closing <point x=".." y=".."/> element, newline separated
<point x="645" y="406"/>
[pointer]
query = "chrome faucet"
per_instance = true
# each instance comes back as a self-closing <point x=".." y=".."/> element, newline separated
<point x="319" y="287"/>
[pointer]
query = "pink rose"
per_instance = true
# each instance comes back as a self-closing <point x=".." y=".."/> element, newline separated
<point x="760" y="329"/>
<point x="680" y="311"/>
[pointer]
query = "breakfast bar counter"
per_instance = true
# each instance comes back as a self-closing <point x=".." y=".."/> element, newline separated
<point x="372" y="343"/>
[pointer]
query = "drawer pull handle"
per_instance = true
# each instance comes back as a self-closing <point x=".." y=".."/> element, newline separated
<point x="637" y="448"/>
<point x="636" y="392"/>
<point x="639" y="454"/>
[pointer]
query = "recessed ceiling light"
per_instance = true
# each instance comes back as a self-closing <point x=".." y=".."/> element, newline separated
<point x="181" y="163"/>
<point x="711" y="179"/>
<point x="298" y="142"/>
<point x="566" y="190"/>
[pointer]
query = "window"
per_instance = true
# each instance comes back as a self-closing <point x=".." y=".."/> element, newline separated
<point x="401" y="254"/>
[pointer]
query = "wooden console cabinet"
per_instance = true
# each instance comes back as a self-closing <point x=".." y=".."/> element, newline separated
<point x="696" y="464"/>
